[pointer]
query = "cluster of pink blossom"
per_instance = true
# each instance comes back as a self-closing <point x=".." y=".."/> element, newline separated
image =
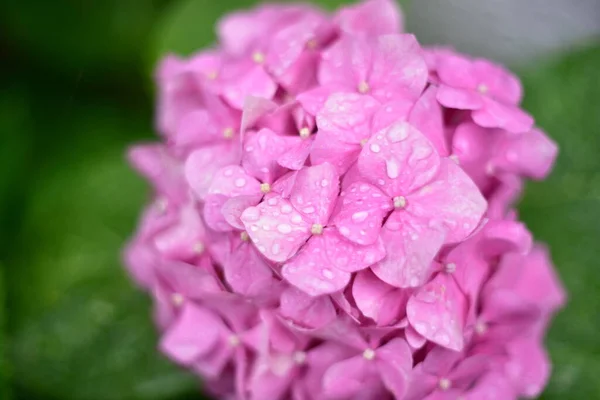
<point x="333" y="215"/>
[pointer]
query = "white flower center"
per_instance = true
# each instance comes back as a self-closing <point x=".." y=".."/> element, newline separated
<point x="450" y="268"/>
<point x="234" y="340"/>
<point x="481" y="327"/>
<point x="482" y="88"/>
<point x="445" y="384"/>
<point x="265" y="188"/>
<point x="177" y="299"/>
<point x="316" y="229"/>
<point x="199" y="248"/>
<point x="244" y="236"/>
<point x="363" y="87"/>
<point x="228" y="133"/>
<point x="258" y="57"/>
<point x="304" y="133"/>
<point x="369" y="354"/>
<point x="299" y="357"/>
<point x="399" y="201"/>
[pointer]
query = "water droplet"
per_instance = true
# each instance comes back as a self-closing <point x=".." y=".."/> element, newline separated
<point x="360" y="216"/>
<point x="284" y="228"/>
<point x="398" y="132"/>
<point x="272" y="201"/>
<point x="375" y="148"/>
<point x="240" y="182"/>
<point x="275" y="249"/>
<point x="309" y="210"/>
<point x="369" y="354"/>
<point x="228" y="172"/>
<point x="324" y="183"/>
<point x="296" y="218"/>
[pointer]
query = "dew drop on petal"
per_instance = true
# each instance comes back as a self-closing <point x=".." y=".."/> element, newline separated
<point x="375" y="148"/>
<point x="360" y="216"/>
<point x="240" y="182"/>
<point x="284" y="228"/>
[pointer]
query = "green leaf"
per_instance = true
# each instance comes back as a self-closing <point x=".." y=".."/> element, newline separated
<point x="564" y="211"/>
<point x="79" y="330"/>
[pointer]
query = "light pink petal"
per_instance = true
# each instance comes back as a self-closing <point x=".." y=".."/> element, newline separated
<point x="498" y="115"/>
<point x="261" y="151"/>
<point x="531" y="154"/>
<point x="254" y="109"/>
<point x="371" y="17"/>
<point x="164" y="171"/>
<point x="492" y="386"/>
<point x="529" y="366"/>
<point x="197" y="128"/>
<point x="438" y="310"/>
<point x="250" y="80"/>
<point x="411" y="245"/>
<point x="394" y="362"/>
<point x="369" y="293"/>
<point x="347" y="378"/>
<point x="440" y="361"/>
<point x="346" y="63"/>
<point x="247" y="273"/>
<point x="346" y="117"/>
<point x="452" y="199"/>
<point x="348" y="256"/>
<point x="398" y="69"/>
<point x="232" y="209"/>
<point x="503" y="236"/>
<point x="202" y="165"/>
<point x="295" y="157"/>
<point x="185" y="238"/>
<point x="213" y="214"/>
<point x="399" y="159"/>
<point x="339" y="154"/>
<point x="193" y="335"/>
<point x="427" y="117"/>
<point x="469" y="369"/>
<point x="312" y="101"/>
<point x="362" y="211"/>
<point x="391" y="112"/>
<point x="315" y="192"/>
<point x="421" y="383"/>
<point x="189" y="281"/>
<point x="413" y="338"/>
<point x="499" y="82"/>
<point x="276" y="228"/>
<point x="305" y="310"/>
<point x="311" y="272"/>
<point x="461" y="99"/>
<point x="457" y="71"/>
<point x="233" y="181"/>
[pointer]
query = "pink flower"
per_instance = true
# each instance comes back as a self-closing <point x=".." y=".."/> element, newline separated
<point x="333" y="217"/>
<point x="486" y="88"/>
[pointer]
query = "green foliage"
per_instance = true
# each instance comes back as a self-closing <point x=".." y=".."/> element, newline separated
<point x="564" y="212"/>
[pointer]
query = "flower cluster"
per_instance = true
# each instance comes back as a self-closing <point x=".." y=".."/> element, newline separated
<point x="333" y="214"/>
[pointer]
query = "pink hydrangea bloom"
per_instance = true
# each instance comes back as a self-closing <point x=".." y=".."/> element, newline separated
<point x="333" y="215"/>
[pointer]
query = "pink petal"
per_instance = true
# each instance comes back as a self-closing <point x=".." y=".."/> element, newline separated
<point x="451" y="199"/>
<point x="427" y="117"/>
<point x="194" y="334"/>
<point x="232" y="209"/>
<point x="411" y="245"/>
<point x="346" y="63"/>
<point x="469" y="369"/>
<point x="457" y="71"/>
<point x="398" y="68"/>
<point x="305" y="310"/>
<point x="531" y="154"/>
<point x="440" y="361"/>
<point x="202" y="165"/>
<point x="394" y="362"/>
<point x="362" y="211"/>
<point x="248" y="79"/>
<point x="438" y="310"/>
<point x="347" y="378"/>
<point x="261" y="151"/>
<point x="213" y="214"/>
<point x="492" y="386"/>
<point x="399" y="159"/>
<point x="421" y="383"/>
<point x="502" y="236"/>
<point x="398" y="109"/>
<point x="339" y="154"/>
<point x="197" y="128"/>
<point x="295" y="157"/>
<point x="413" y="338"/>
<point x="254" y="109"/>
<point x="312" y="101"/>
<point x="311" y="272"/>
<point x="234" y="181"/>
<point x="315" y="192"/>
<point x="500" y="83"/>
<point x="190" y="281"/>
<point x="373" y="17"/>
<point x="529" y="366"/>
<point x="461" y="99"/>
<point x="247" y="273"/>
<point x="276" y="228"/>
<point x="369" y="294"/>
<point x="348" y="256"/>
<point x="180" y="240"/>
<point x="346" y="117"/>
<point x="164" y="171"/>
<point x="498" y="115"/>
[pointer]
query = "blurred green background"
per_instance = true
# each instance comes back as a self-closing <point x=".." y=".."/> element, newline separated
<point x="75" y="90"/>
